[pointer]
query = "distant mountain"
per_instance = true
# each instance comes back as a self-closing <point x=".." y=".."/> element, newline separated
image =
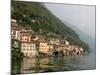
<point x="42" y="21"/>
<point x="83" y="36"/>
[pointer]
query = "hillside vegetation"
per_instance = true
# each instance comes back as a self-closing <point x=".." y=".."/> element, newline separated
<point x="42" y="21"/>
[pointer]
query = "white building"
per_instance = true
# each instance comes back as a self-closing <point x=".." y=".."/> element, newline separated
<point x="66" y="42"/>
<point x="13" y="20"/>
<point x="33" y="21"/>
<point x="29" y="49"/>
<point x="15" y="33"/>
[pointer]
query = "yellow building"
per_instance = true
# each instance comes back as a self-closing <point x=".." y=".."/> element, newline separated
<point x="45" y="48"/>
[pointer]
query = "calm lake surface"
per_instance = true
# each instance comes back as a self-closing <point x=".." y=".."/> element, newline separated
<point x="63" y="63"/>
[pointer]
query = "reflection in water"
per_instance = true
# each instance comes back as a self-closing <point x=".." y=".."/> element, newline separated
<point x="51" y="64"/>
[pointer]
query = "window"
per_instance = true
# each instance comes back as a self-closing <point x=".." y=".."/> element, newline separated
<point x="33" y="45"/>
<point x="23" y="45"/>
<point x="26" y="54"/>
<point x="27" y="46"/>
<point x="30" y="45"/>
<point x="41" y="45"/>
<point x="30" y="54"/>
<point x="23" y="49"/>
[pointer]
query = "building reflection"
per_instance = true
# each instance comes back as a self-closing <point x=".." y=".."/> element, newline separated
<point x="48" y="64"/>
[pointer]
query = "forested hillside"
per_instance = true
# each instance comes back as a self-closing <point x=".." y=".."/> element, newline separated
<point x="40" y="19"/>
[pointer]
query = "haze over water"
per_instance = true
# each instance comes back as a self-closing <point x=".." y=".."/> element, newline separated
<point x="80" y="18"/>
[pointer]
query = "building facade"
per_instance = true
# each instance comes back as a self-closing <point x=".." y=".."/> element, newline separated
<point x="45" y="48"/>
<point x="29" y="49"/>
<point x="25" y="36"/>
<point x="15" y="33"/>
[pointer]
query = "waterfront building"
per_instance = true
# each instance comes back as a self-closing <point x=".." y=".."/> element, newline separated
<point x="43" y="47"/>
<point x="29" y="49"/>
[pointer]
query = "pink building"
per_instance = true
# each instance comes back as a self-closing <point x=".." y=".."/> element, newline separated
<point x="25" y="36"/>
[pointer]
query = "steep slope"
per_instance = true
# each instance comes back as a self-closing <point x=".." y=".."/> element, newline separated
<point x="40" y="19"/>
<point x="83" y="36"/>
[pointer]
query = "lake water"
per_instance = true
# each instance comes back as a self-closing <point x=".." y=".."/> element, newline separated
<point x="63" y="63"/>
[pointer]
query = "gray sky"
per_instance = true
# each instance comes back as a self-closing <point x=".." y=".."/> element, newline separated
<point x="83" y="17"/>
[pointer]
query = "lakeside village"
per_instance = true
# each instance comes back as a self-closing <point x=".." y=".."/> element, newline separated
<point x="32" y="45"/>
